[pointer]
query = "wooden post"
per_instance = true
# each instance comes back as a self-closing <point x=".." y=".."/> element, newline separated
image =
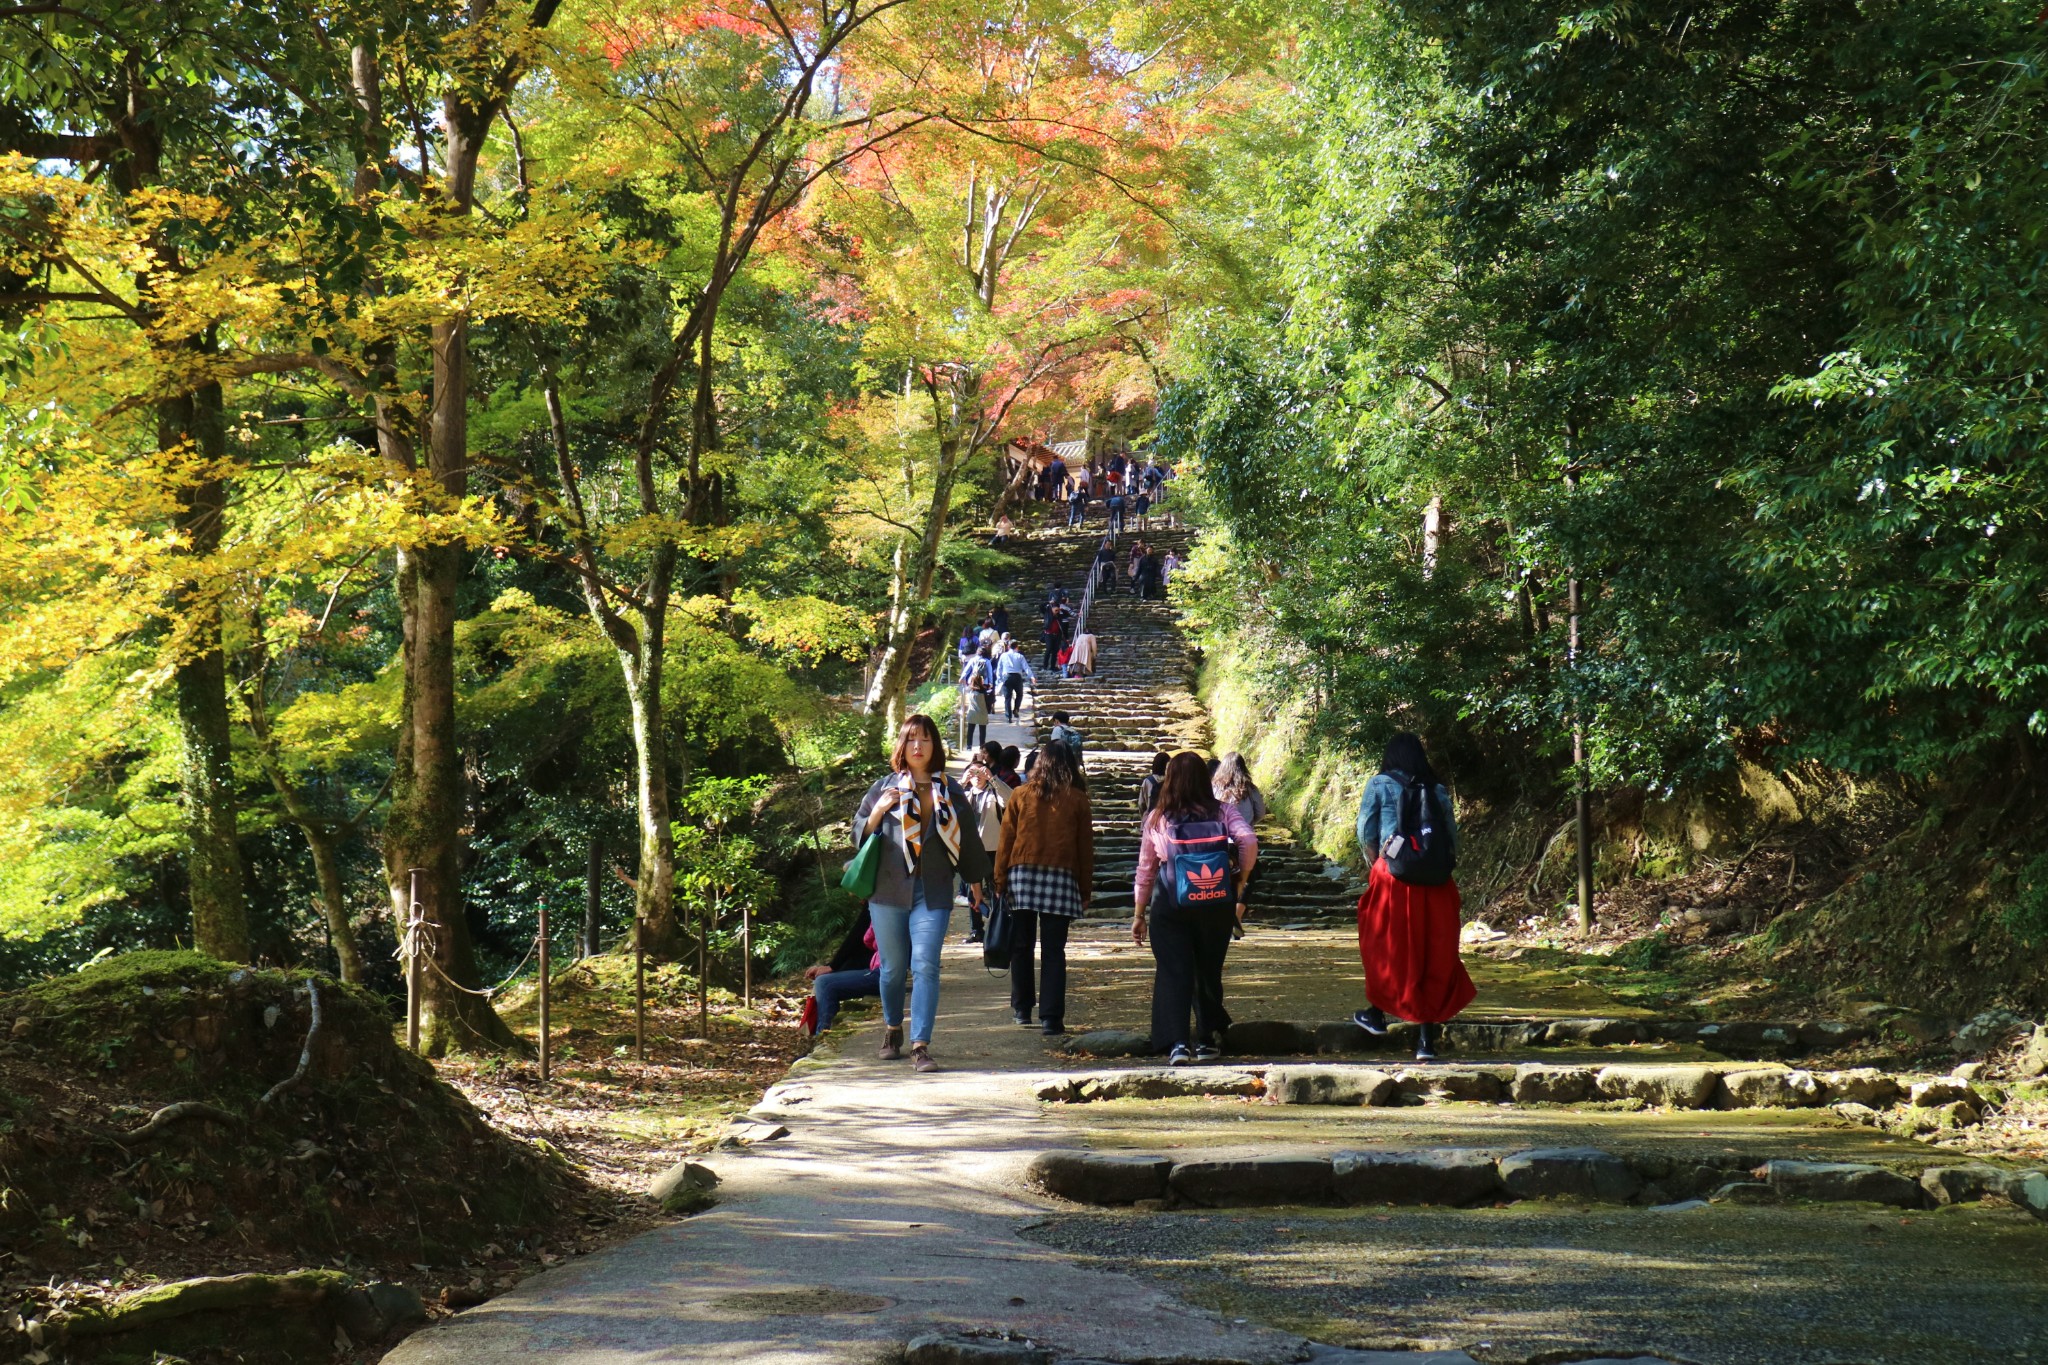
<point x="747" y="953"/>
<point x="543" y="992"/>
<point x="593" y="894"/>
<point x="639" y="987"/>
<point x="1582" y="822"/>
<point x="704" y="969"/>
<point x="413" y="981"/>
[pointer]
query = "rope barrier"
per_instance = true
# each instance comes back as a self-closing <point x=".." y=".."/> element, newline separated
<point x="418" y="937"/>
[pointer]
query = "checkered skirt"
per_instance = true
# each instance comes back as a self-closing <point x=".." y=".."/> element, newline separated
<point x="1043" y="891"/>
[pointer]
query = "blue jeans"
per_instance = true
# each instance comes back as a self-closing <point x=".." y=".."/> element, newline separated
<point x="910" y="941"/>
<point x="835" y="988"/>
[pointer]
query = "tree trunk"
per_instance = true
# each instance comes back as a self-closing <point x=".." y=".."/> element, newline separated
<point x="1015" y="489"/>
<point x="206" y="775"/>
<point x="321" y="838"/>
<point x="640" y="652"/>
<point x="423" y="831"/>
<point x="654" y="893"/>
<point x="911" y="594"/>
<point x="334" y="902"/>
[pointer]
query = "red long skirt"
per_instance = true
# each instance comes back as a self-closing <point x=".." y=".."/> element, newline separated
<point x="1408" y="941"/>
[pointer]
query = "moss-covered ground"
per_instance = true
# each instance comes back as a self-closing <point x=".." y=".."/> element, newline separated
<point x="1251" y="1127"/>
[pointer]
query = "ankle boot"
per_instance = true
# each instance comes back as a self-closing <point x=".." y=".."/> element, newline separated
<point x="1426" y="1040"/>
<point x="892" y="1044"/>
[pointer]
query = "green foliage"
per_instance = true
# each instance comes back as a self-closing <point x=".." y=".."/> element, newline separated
<point x="2027" y="913"/>
<point x="1569" y="278"/>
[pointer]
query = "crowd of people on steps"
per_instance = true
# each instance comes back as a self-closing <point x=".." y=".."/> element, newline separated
<point x="1132" y="491"/>
<point x="1018" y="845"/>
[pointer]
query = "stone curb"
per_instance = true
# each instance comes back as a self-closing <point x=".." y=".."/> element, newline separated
<point x="1859" y="1093"/>
<point x="1463" y="1176"/>
<point x="1741" y="1039"/>
<point x="956" y="1348"/>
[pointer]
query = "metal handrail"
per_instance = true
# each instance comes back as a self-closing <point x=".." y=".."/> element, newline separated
<point x="1087" y="599"/>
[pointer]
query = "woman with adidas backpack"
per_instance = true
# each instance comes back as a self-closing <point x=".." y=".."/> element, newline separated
<point x="1408" y="918"/>
<point x="1195" y="854"/>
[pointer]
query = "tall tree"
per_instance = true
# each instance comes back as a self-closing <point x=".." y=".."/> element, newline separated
<point x="743" y="108"/>
<point x="998" y="256"/>
<point x="142" y="96"/>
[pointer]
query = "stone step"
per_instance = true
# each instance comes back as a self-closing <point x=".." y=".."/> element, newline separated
<point x="1725" y="1085"/>
<point x="1480" y="1177"/>
<point x="1747" y="1040"/>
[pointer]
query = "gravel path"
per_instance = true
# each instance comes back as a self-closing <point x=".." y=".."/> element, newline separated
<point x="1723" y="1285"/>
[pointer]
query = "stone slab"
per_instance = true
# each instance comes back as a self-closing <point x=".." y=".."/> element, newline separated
<point x="1668" y="1087"/>
<point x="1842" y="1180"/>
<point x="1539" y="1083"/>
<point x="1251" y="1182"/>
<point x="1452" y="1175"/>
<point x="1335" y="1085"/>
<point x="1569" y="1173"/>
<point x="1110" y="1042"/>
<point x="1962" y="1184"/>
<point x="1595" y="1032"/>
<point x="1268" y="1038"/>
<point x="1773" y="1087"/>
<point x="1100" y="1177"/>
<point x="1861" y="1085"/>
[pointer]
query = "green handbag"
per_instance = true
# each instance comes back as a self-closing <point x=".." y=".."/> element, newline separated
<point x="860" y="874"/>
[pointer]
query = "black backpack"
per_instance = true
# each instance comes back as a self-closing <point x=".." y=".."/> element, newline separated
<point x="1419" y="851"/>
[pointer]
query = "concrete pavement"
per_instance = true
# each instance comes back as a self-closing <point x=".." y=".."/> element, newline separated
<point x="891" y="1209"/>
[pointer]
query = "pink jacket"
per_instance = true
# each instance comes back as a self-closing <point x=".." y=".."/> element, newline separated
<point x="1152" y="850"/>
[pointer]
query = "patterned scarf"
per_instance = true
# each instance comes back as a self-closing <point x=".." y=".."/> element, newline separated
<point x="910" y="820"/>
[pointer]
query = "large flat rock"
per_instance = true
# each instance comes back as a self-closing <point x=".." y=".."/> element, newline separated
<point x="1569" y="1173"/>
<point x="1451" y="1176"/>
<point x="1244" y="1182"/>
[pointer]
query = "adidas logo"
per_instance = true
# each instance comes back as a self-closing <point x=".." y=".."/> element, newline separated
<point x="1205" y="884"/>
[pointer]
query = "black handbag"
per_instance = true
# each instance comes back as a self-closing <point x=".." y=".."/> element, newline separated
<point x="996" y="929"/>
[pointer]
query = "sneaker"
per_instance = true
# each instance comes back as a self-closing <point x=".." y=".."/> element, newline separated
<point x="1180" y="1056"/>
<point x="892" y="1045"/>
<point x="921" y="1058"/>
<point x="1207" y="1052"/>
<point x="1372" y="1020"/>
<point x="1021" y="1018"/>
<point x="1425" y="1043"/>
<point x="972" y="938"/>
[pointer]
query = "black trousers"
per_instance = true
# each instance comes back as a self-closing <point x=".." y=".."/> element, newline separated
<point x="1013" y="697"/>
<point x="1050" y="933"/>
<point x="1188" y="947"/>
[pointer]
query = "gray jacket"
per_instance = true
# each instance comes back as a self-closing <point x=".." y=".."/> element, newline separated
<point x="892" y="882"/>
<point x="1379" y="815"/>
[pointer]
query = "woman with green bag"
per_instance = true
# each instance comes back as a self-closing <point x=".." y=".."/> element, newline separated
<point x="928" y="839"/>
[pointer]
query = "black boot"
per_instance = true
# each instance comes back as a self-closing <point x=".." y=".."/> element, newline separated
<point x="1426" y="1040"/>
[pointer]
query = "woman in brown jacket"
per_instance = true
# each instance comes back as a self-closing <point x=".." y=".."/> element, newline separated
<point x="1045" y="870"/>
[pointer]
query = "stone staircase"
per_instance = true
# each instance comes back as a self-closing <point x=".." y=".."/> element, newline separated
<point x="1137" y="702"/>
